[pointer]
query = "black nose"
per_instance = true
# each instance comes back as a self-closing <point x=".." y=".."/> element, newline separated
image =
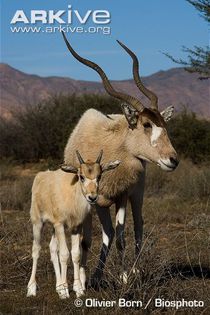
<point x="174" y="161"/>
<point x="92" y="199"/>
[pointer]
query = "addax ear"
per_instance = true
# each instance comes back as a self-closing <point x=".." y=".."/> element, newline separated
<point x="131" y="114"/>
<point x="167" y="113"/>
<point x="69" y="168"/>
<point x="110" y="166"/>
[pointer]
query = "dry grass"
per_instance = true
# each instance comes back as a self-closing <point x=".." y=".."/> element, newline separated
<point x="175" y="259"/>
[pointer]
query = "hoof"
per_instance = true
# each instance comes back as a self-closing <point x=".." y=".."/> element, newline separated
<point x="77" y="287"/>
<point x="80" y="293"/>
<point x="62" y="291"/>
<point x="31" y="290"/>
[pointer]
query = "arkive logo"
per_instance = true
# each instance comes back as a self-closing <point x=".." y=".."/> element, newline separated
<point x="68" y="16"/>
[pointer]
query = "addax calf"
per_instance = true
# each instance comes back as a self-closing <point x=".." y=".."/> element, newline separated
<point x="63" y="198"/>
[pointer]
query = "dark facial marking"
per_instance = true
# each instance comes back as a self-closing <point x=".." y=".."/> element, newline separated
<point x="91" y="170"/>
<point x="154" y="116"/>
<point x="82" y="178"/>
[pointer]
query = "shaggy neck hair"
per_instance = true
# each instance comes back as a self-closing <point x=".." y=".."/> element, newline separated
<point x="96" y="131"/>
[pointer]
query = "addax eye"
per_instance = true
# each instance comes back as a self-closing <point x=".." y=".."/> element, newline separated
<point x="82" y="178"/>
<point x="147" y="125"/>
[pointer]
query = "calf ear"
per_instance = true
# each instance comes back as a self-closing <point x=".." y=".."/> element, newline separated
<point x="69" y="168"/>
<point x="110" y="166"/>
<point x="131" y="114"/>
<point x="167" y="113"/>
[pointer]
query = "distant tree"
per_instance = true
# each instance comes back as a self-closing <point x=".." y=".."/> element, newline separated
<point x="198" y="59"/>
<point x="202" y="6"/>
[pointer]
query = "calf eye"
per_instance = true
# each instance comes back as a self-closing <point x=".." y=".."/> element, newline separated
<point x="82" y="178"/>
<point x="147" y="125"/>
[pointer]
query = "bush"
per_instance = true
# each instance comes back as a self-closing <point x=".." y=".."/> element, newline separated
<point x="190" y="136"/>
<point x="42" y="131"/>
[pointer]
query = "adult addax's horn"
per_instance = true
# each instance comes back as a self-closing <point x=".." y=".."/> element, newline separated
<point x="152" y="97"/>
<point x="107" y="85"/>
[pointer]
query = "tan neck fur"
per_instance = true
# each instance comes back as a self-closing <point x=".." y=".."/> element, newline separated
<point x="94" y="132"/>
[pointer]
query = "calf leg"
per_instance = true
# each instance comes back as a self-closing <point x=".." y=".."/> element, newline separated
<point x="35" y="255"/>
<point x="108" y="235"/>
<point x="75" y="254"/>
<point x="54" y="258"/>
<point x="62" y="287"/>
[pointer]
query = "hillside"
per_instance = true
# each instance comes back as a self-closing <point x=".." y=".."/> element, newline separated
<point x="174" y="86"/>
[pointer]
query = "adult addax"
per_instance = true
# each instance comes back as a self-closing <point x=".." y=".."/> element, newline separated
<point x="136" y="137"/>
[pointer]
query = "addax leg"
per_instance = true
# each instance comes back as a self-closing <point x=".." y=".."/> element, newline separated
<point x="35" y="255"/>
<point x="85" y="244"/>
<point x="75" y="253"/>
<point x="121" y="204"/>
<point x="62" y="287"/>
<point x="136" y="200"/>
<point x="108" y="235"/>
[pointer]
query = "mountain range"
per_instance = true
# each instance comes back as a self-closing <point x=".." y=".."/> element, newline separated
<point x="174" y="86"/>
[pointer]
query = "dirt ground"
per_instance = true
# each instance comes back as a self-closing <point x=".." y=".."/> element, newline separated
<point x="174" y="263"/>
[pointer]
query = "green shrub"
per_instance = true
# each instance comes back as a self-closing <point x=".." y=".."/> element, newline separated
<point x="190" y="136"/>
<point x="42" y="131"/>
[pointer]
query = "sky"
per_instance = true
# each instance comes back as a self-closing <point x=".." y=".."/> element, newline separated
<point x="149" y="28"/>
